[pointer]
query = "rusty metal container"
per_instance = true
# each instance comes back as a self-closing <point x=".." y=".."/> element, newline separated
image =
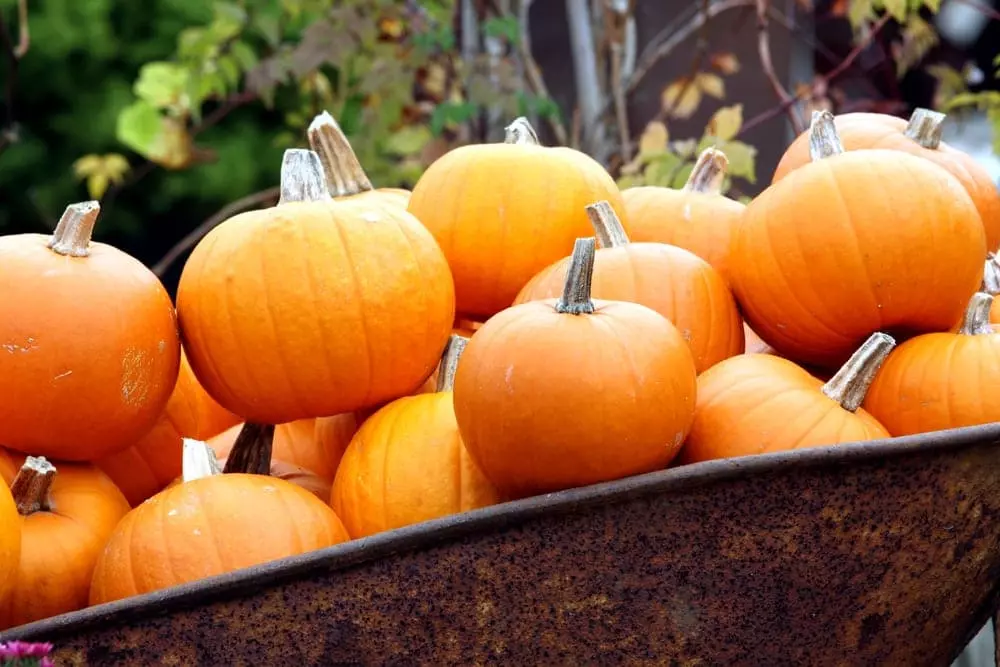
<point x="882" y="553"/>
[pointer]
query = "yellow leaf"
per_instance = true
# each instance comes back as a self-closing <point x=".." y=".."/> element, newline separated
<point x="86" y="165"/>
<point x="681" y="98"/>
<point x="100" y="171"/>
<point x="726" y="122"/>
<point x="654" y="139"/>
<point x="97" y="184"/>
<point x="897" y="8"/>
<point x="711" y="84"/>
<point x="436" y="80"/>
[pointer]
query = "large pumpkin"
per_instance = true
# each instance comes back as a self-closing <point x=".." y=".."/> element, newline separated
<point x="10" y="541"/>
<point x="855" y="242"/>
<point x="562" y="393"/>
<point x="66" y="517"/>
<point x="503" y="212"/>
<point x="90" y="348"/>
<point x="677" y="284"/>
<point x="314" y="307"/>
<point x="760" y="403"/>
<point x="921" y="136"/>
<point x="698" y="217"/>
<point x="212" y="523"/>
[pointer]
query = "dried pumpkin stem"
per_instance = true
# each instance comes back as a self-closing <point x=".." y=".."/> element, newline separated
<point x="991" y="275"/>
<point x="925" y="127"/>
<point x="302" y="178"/>
<point x="251" y="453"/>
<point x="576" y="291"/>
<point x="850" y="385"/>
<point x="709" y="172"/>
<point x="344" y="174"/>
<point x="198" y="460"/>
<point x="977" y="315"/>
<point x="30" y="487"/>
<point x="521" y="133"/>
<point x="449" y="362"/>
<point x="75" y="228"/>
<point x="607" y="226"/>
<point x="824" y="141"/>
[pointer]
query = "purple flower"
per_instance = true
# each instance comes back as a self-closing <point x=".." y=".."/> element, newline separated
<point x="24" y="654"/>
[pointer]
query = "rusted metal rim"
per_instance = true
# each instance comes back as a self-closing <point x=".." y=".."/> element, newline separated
<point x="430" y="533"/>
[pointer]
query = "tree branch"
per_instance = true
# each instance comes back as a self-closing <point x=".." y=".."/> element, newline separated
<point x="23" y="36"/>
<point x="533" y="74"/>
<point x="764" y="52"/>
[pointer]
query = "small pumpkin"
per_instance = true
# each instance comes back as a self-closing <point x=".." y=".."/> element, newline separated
<point x="213" y="523"/>
<point x="314" y="307"/>
<point x="942" y="380"/>
<point x="66" y="517"/>
<point x="503" y="212"/>
<point x="760" y="403"/>
<point x="921" y="136"/>
<point x="855" y="242"/>
<point x="90" y="349"/>
<point x="698" y="217"/>
<point x="407" y="464"/>
<point x="566" y="392"/>
<point x="10" y="541"/>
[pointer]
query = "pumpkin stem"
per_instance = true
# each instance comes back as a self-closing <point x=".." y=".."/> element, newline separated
<point x="925" y="127"/>
<point x="850" y="385"/>
<point x="521" y="133"/>
<point x="824" y="141"/>
<point x="302" y="178"/>
<point x="198" y="460"/>
<point x="449" y="362"/>
<point x="575" y="298"/>
<point x="72" y="233"/>
<point x="607" y="227"/>
<point x="709" y="172"/>
<point x="977" y="315"/>
<point x="251" y="453"/>
<point x="30" y="487"/>
<point x="991" y="275"/>
<point x="344" y="174"/>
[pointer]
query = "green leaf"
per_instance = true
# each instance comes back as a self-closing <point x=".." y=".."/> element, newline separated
<point x="897" y="9"/>
<point x="660" y="170"/>
<point x="161" y="84"/>
<point x="230" y="72"/>
<point x="269" y="27"/>
<point x="742" y="160"/>
<point x="451" y="113"/>
<point x="244" y="55"/>
<point x="933" y="5"/>
<point x="504" y="27"/>
<point x="409" y="140"/>
<point x="138" y="126"/>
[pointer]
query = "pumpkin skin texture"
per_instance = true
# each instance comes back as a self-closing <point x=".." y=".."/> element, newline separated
<point x="698" y="217"/>
<point x="66" y="517"/>
<point x="675" y="283"/>
<point x="503" y="212"/>
<point x="10" y="541"/>
<point x="538" y="384"/>
<point x="358" y="307"/>
<point x="920" y="137"/>
<point x="759" y="403"/>
<point x="902" y="259"/>
<point x="91" y="356"/>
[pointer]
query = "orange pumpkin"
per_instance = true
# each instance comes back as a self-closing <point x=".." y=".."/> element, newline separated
<point x="677" y="284"/>
<point x="942" y="380"/>
<point x="314" y="307"/>
<point x="562" y="393"/>
<point x="212" y="524"/>
<point x="503" y="212"/>
<point x="698" y="217"/>
<point x="921" y="136"/>
<point x="8" y="466"/>
<point x="91" y="356"/>
<point x="760" y="403"/>
<point x="66" y="517"/>
<point x="856" y="242"/>
<point x="10" y="541"/>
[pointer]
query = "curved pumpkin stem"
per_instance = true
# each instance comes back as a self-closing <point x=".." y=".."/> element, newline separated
<point x="991" y="275"/>
<point x="850" y="384"/>
<point x="198" y="460"/>
<point x="521" y="132"/>
<point x="344" y="173"/>
<point x="449" y="362"/>
<point x="977" y="315"/>
<point x="251" y="453"/>
<point x="607" y="226"/>
<point x="30" y="487"/>
<point x="709" y="172"/>
<point x="575" y="298"/>
<point x="925" y="127"/>
<point x="302" y="178"/>
<point x="75" y="228"/>
<point x="824" y="141"/>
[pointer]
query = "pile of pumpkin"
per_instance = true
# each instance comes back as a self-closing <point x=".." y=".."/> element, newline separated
<point x="356" y="360"/>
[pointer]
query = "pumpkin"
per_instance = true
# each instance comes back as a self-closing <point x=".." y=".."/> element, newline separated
<point x="149" y="465"/>
<point x="942" y="380"/>
<point x="698" y="217"/>
<point x="10" y="541"/>
<point x="8" y="466"/>
<point x="855" y="242"/>
<point x="407" y="463"/>
<point x="503" y="212"/>
<point x="991" y="284"/>
<point x="760" y="403"/>
<point x="90" y="349"/>
<point x="213" y="523"/>
<point x="677" y="284"/>
<point x="66" y="517"/>
<point x="921" y="136"/>
<point x="566" y="392"/>
<point x="345" y="176"/>
<point x="314" y="307"/>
